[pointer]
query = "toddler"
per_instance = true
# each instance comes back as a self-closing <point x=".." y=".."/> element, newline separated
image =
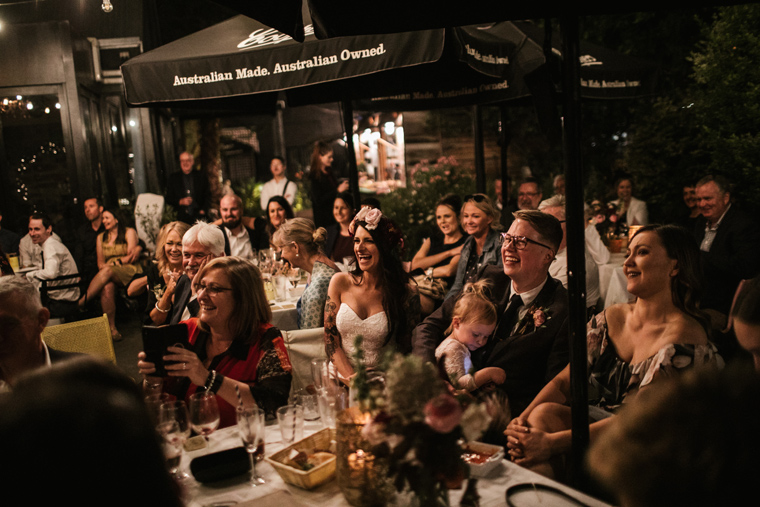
<point x="473" y="321"/>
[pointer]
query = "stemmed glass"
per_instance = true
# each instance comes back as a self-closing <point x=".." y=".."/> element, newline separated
<point x="251" y="426"/>
<point x="204" y="413"/>
<point x="172" y="441"/>
<point x="294" y="276"/>
<point x="175" y="413"/>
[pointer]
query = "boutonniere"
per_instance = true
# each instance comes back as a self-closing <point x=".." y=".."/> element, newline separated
<point x="538" y="317"/>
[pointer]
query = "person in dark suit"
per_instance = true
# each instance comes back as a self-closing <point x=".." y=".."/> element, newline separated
<point x="188" y="191"/>
<point x="729" y="241"/>
<point x="201" y="243"/>
<point x="530" y="342"/>
<point x="22" y="319"/>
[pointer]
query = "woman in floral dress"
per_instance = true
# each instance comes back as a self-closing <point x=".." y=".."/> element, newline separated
<point x="630" y="346"/>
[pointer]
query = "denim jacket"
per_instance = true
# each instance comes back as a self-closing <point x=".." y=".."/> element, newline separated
<point x="491" y="255"/>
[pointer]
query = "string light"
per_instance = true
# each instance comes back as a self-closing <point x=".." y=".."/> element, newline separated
<point x="107" y="7"/>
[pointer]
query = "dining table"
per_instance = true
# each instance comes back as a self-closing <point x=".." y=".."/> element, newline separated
<point x="285" y="311"/>
<point x="239" y="492"/>
<point x="613" y="283"/>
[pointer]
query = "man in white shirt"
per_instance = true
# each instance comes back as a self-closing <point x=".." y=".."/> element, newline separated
<point x="30" y="254"/>
<point x="231" y="209"/>
<point x="555" y="206"/>
<point x="278" y="185"/>
<point x="22" y="319"/>
<point x="56" y="260"/>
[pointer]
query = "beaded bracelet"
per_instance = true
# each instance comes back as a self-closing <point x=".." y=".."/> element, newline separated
<point x="216" y="384"/>
<point x="210" y="380"/>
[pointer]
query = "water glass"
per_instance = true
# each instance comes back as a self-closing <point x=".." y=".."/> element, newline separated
<point x="331" y="402"/>
<point x="251" y="423"/>
<point x="290" y="419"/>
<point x="310" y="403"/>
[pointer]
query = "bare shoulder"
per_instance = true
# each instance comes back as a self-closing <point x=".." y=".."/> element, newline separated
<point x="617" y="317"/>
<point x="686" y="329"/>
<point x="341" y="281"/>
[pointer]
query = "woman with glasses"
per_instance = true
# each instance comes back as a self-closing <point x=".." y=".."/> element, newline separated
<point x="630" y="347"/>
<point x="439" y="255"/>
<point x="300" y="243"/>
<point x="233" y="346"/>
<point x="480" y="220"/>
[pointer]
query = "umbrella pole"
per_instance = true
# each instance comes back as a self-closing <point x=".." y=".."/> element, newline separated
<point x="576" y="283"/>
<point x="480" y="169"/>
<point x="347" y="108"/>
<point x="503" y="171"/>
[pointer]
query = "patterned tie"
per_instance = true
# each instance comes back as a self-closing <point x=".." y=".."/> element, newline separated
<point x="508" y="319"/>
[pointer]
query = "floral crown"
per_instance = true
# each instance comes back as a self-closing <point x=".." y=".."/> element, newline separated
<point x="372" y="219"/>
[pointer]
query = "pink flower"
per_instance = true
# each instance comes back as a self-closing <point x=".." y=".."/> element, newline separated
<point x="539" y="317"/>
<point x="373" y="218"/>
<point x="443" y="413"/>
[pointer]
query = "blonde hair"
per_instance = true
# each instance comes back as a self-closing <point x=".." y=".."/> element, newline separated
<point x="484" y="204"/>
<point x="474" y="305"/>
<point x="180" y="228"/>
<point x="250" y="308"/>
<point x="303" y="232"/>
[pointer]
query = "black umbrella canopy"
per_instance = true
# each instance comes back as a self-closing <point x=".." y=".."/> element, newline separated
<point x="241" y="56"/>
<point x="243" y="64"/>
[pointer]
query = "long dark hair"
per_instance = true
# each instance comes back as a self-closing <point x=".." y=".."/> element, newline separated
<point x="122" y="224"/>
<point x="321" y="148"/>
<point x="686" y="286"/>
<point x="393" y="278"/>
<point x="285" y="205"/>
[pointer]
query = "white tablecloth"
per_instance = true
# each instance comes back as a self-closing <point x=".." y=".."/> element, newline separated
<point x="284" y="313"/>
<point x="612" y="281"/>
<point x="278" y="494"/>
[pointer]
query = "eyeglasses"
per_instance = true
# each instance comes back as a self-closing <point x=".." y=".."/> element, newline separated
<point x="527" y="194"/>
<point x="475" y="197"/>
<point x="211" y="290"/>
<point x="520" y="242"/>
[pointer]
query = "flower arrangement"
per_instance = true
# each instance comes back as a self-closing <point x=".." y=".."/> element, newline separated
<point x="419" y="428"/>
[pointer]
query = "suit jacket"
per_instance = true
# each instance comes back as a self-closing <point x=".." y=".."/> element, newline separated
<point x="182" y="294"/>
<point x="175" y="190"/>
<point x="530" y="358"/>
<point x="733" y="257"/>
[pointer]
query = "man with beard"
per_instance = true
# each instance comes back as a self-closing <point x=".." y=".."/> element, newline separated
<point x="200" y="244"/>
<point x="239" y="240"/>
<point x="85" y="253"/>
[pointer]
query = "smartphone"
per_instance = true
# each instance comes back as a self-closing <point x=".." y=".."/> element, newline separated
<point x="156" y="339"/>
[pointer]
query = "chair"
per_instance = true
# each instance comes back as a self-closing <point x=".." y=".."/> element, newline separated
<point x="91" y="336"/>
<point x="303" y="345"/>
<point x="59" y="309"/>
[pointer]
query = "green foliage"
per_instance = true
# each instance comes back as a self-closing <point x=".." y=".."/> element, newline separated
<point x="727" y="97"/>
<point x="413" y="207"/>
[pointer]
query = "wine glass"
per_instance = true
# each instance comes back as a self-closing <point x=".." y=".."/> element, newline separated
<point x="172" y="440"/>
<point x="294" y="276"/>
<point x="175" y="412"/>
<point x="204" y="413"/>
<point x="251" y="426"/>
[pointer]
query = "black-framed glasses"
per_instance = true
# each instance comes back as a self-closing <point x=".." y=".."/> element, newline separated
<point x="527" y="194"/>
<point x="475" y="197"/>
<point x="520" y="242"/>
<point x="211" y="290"/>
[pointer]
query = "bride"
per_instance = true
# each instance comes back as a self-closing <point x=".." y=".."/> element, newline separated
<point x="370" y="301"/>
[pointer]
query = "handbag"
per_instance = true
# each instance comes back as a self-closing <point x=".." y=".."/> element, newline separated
<point x="434" y="288"/>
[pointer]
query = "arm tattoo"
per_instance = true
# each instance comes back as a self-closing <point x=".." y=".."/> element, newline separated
<point x="332" y="337"/>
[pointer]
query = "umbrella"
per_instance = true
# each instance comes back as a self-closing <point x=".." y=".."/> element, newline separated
<point x="242" y="57"/>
